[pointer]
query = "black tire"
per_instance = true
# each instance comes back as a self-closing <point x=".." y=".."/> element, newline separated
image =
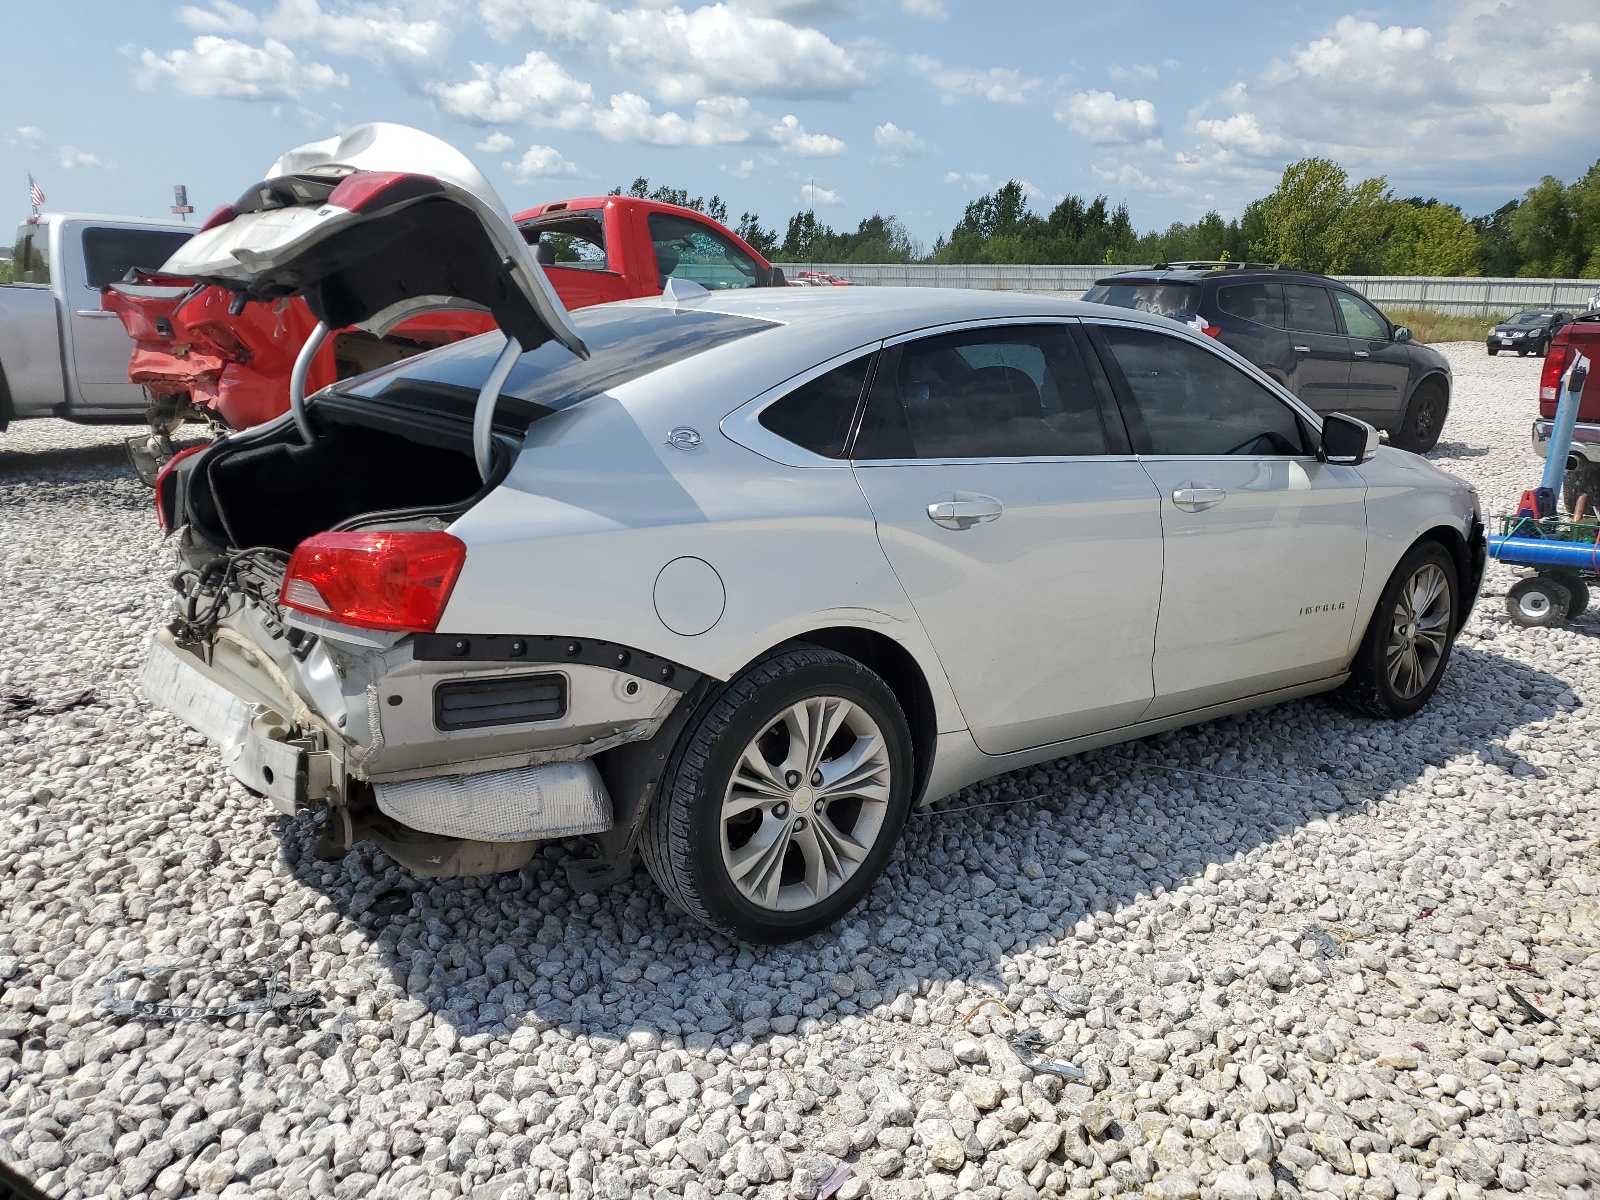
<point x="683" y="842"/>
<point x="1522" y="352"/>
<point x="1585" y="481"/>
<point x="1493" y="350"/>
<point x="1424" y="418"/>
<point x="1577" y="591"/>
<point x="1538" y="603"/>
<point x="1542" y="349"/>
<point x="1371" y="689"/>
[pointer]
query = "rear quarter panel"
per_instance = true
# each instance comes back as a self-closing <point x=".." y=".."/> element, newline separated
<point x="597" y="505"/>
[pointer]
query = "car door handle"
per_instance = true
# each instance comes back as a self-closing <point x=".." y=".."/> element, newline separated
<point x="94" y="312"/>
<point x="964" y="511"/>
<point x="1362" y="354"/>
<point x="1302" y="349"/>
<point x="1193" y="497"/>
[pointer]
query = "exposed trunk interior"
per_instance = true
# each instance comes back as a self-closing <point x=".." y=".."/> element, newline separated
<point x="275" y="491"/>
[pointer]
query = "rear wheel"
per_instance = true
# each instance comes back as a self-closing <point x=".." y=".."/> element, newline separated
<point x="1585" y="481"/>
<point x="786" y="799"/>
<point x="1538" y="603"/>
<point x="1424" y="418"/>
<point x="1407" y="644"/>
<point x="1578" y="590"/>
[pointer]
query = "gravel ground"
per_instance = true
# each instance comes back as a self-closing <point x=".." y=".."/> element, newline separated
<point x="1294" y="953"/>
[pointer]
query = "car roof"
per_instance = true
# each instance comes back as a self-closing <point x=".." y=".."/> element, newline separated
<point x="874" y="313"/>
<point x="1200" y="274"/>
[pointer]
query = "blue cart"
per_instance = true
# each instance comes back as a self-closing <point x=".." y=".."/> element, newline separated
<point x="1565" y="553"/>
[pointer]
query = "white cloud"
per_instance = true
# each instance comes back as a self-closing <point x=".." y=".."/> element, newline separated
<point x="1480" y="96"/>
<point x="1107" y="119"/>
<point x="542" y="162"/>
<point x="495" y="143"/>
<point x="226" y="67"/>
<point x="813" y="197"/>
<point x="365" y="30"/>
<point x="538" y="88"/>
<point x="539" y="91"/>
<point x="32" y="136"/>
<point x="1139" y="71"/>
<point x="976" y="179"/>
<point x="1129" y="178"/>
<point x="683" y="55"/>
<point x="895" y="141"/>
<point x="934" y="9"/>
<point x="999" y="85"/>
<point x="70" y="157"/>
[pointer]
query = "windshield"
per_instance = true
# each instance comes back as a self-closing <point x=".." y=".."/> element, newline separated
<point x="624" y="343"/>
<point x="1530" y="318"/>
<point x="1176" y="300"/>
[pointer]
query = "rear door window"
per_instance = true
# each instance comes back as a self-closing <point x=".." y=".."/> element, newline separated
<point x="1193" y="402"/>
<point x="1309" y="309"/>
<point x="1258" y="303"/>
<point x="108" y="254"/>
<point x="1002" y="392"/>
<point x="691" y="250"/>
<point x="818" y="415"/>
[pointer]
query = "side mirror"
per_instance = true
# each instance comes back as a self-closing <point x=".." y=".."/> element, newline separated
<point x="1346" y="441"/>
<point x="1402" y="334"/>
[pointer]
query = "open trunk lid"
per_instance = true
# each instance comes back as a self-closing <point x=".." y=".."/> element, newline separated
<point x="375" y="226"/>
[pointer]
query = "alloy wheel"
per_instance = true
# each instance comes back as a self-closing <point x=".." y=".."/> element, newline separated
<point x="806" y="804"/>
<point x="1420" y="634"/>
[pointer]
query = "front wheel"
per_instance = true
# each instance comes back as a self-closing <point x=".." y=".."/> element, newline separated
<point x="1424" y="418"/>
<point x="1493" y="350"/>
<point x="1407" y="644"/>
<point x="785" y="799"/>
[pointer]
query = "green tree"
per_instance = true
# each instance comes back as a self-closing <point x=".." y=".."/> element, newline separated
<point x="1430" y="238"/>
<point x="1497" y="249"/>
<point x="763" y="241"/>
<point x="1544" y="231"/>
<point x="715" y="208"/>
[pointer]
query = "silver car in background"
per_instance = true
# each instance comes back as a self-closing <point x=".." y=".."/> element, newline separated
<point x="734" y="581"/>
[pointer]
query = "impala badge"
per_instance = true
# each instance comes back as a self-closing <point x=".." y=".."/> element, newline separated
<point x="682" y="437"/>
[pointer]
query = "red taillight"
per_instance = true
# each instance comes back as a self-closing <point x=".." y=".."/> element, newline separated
<point x="1555" y="363"/>
<point x="399" y="580"/>
<point x="1211" y="330"/>
<point x="222" y="216"/>
<point x="167" y="487"/>
<point x="367" y="190"/>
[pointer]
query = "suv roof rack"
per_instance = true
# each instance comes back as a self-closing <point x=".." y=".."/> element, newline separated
<point x="1217" y="264"/>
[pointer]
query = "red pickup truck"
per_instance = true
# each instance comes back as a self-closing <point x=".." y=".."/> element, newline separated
<point x="202" y="355"/>
<point x="1581" y="335"/>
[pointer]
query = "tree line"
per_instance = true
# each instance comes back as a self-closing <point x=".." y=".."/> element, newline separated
<point x="1316" y="219"/>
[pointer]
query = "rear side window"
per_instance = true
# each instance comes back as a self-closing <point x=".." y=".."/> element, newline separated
<point x="818" y="415"/>
<point x="1176" y="300"/>
<point x="690" y="250"/>
<point x="1192" y="402"/>
<point x="1006" y="392"/>
<point x="30" y="258"/>
<point x="108" y="254"/>
<point x="625" y="343"/>
<point x="572" y="239"/>
<point x="1308" y="308"/>
<point x="1258" y="303"/>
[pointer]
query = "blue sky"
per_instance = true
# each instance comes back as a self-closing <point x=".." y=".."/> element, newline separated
<point x="909" y="107"/>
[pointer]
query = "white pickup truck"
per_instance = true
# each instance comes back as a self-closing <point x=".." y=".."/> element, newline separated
<point x="61" y="354"/>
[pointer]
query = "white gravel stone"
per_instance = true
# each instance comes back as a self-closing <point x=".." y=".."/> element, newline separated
<point x="1283" y="942"/>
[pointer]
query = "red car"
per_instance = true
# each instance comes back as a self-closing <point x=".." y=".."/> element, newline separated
<point x="201" y="354"/>
<point x="1581" y="335"/>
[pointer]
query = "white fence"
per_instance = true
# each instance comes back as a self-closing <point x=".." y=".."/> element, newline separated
<point x="1466" y="296"/>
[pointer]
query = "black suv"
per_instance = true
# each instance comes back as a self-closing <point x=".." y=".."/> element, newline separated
<point x="1527" y="332"/>
<point x="1318" y="337"/>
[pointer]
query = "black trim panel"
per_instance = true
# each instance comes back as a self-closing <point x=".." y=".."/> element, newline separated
<point x="515" y="648"/>
<point x="501" y="700"/>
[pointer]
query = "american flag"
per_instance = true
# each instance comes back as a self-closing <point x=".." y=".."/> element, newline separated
<point x="35" y="193"/>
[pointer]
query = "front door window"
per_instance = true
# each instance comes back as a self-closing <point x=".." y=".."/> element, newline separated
<point x="689" y="249"/>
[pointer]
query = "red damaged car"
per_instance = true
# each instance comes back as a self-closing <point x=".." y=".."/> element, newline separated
<point x="203" y="353"/>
